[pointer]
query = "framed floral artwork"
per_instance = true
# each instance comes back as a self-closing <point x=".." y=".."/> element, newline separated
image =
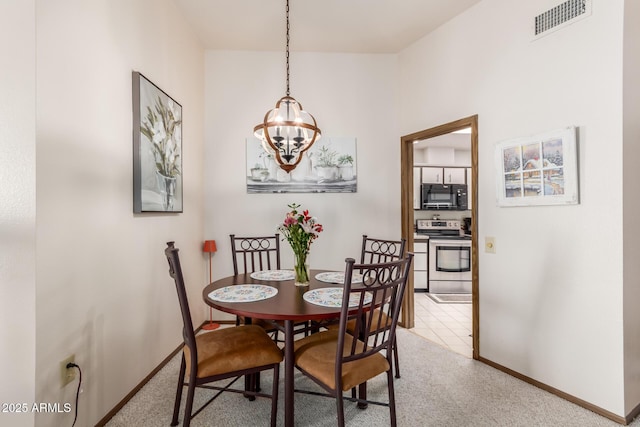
<point x="538" y="170"/>
<point x="157" y="149"/>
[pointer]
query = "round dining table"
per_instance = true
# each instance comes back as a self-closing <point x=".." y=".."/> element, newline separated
<point x="287" y="305"/>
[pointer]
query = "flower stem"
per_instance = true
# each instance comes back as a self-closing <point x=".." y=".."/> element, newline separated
<point x="300" y="267"/>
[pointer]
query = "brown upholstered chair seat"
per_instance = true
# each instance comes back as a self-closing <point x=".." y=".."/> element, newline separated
<point x="379" y="319"/>
<point x="264" y="324"/>
<point x="233" y="349"/>
<point x="316" y="354"/>
<point x="274" y="326"/>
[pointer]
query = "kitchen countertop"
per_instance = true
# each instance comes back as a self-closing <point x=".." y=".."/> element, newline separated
<point x="425" y="237"/>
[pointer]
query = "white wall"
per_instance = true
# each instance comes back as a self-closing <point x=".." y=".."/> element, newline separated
<point x="17" y="208"/>
<point x="350" y="96"/>
<point x="551" y="297"/>
<point x="103" y="289"/>
<point x="452" y="149"/>
<point x="631" y="151"/>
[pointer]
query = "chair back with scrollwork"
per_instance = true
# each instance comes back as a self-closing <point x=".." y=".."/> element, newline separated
<point x="252" y="254"/>
<point x="380" y="250"/>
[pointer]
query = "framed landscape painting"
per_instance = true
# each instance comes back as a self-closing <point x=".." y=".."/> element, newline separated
<point x="538" y="170"/>
<point x="157" y="148"/>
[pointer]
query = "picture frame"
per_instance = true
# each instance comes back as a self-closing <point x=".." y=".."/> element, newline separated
<point x="157" y="148"/>
<point x="538" y="170"/>
<point x="329" y="166"/>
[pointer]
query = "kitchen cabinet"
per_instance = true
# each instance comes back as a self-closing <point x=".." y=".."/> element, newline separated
<point x="454" y="175"/>
<point x="431" y="175"/>
<point x="438" y="175"/>
<point x="469" y="187"/>
<point x="420" y="265"/>
<point x="417" y="189"/>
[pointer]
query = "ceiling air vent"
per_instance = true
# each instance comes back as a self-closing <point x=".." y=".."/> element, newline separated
<point x="560" y="16"/>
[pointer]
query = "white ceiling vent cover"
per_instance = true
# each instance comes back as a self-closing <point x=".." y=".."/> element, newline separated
<point x="560" y="16"/>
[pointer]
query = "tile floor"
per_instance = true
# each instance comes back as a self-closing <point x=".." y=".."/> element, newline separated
<point x="446" y="324"/>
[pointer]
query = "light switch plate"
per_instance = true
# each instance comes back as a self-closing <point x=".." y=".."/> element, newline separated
<point x="490" y="245"/>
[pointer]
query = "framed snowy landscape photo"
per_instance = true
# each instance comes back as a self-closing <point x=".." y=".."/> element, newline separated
<point x="538" y="170"/>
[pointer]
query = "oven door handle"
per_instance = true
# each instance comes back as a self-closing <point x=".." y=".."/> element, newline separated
<point x="438" y="205"/>
<point x="454" y="270"/>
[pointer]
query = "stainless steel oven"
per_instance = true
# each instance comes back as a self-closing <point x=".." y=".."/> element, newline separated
<point x="449" y="256"/>
<point x="449" y="265"/>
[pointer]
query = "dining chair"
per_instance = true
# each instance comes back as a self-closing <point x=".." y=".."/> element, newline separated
<point x="251" y="254"/>
<point x="338" y="360"/>
<point x="226" y="353"/>
<point x="376" y="251"/>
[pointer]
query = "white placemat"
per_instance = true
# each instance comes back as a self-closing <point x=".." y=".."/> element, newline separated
<point x="332" y="297"/>
<point x="243" y="293"/>
<point x="273" y="275"/>
<point x="338" y="277"/>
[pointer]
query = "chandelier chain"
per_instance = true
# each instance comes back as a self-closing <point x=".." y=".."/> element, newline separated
<point x="287" y="131"/>
<point x="288" y="28"/>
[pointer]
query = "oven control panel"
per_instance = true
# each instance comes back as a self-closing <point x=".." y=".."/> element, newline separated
<point x="437" y="224"/>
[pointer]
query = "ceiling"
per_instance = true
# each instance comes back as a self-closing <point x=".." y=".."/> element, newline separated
<point x="456" y="140"/>
<point x="349" y="26"/>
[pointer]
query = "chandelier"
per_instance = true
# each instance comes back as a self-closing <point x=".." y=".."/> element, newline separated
<point x="287" y="131"/>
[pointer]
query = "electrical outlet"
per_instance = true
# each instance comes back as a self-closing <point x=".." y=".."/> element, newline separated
<point x="67" y="374"/>
<point x="490" y="245"/>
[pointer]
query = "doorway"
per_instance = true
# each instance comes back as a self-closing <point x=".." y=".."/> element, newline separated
<point x="407" y="214"/>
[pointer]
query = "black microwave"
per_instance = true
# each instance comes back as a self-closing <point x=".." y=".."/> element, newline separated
<point x="451" y="197"/>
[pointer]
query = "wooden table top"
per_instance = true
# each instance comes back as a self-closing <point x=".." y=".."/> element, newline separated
<point x="288" y="304"/>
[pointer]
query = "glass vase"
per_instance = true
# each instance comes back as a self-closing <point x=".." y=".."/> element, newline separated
<point x="301" y="269"/>
<point x="167" y="186"/>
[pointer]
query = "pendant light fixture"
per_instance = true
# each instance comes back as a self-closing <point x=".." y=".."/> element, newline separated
<point x="287" y="131"/>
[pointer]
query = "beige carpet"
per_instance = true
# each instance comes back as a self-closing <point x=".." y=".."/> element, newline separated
<point x="437" y="388"/>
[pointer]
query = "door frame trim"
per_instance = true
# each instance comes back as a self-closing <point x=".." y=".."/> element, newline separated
<point x="407" y="219"/>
